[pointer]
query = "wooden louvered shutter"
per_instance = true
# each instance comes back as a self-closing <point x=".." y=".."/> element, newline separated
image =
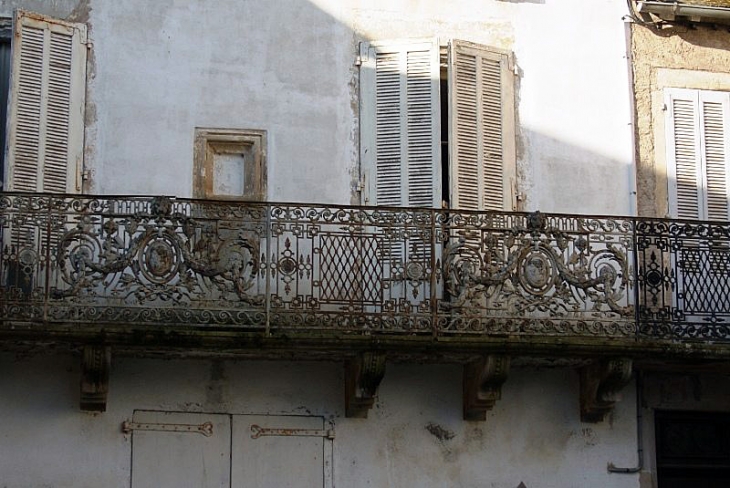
<point x="697" y="153"/>
<point x="400" y="129"/>
<point x="715" y="131"/>
<point x="47" y="91"/>
<point x="481" y="127"/>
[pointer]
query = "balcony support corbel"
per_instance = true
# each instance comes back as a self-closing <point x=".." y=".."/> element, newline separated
<point x="483" y="381"/>
<point x="95" y="365"/>
<point x="601" y="383"/>
<point x="363" y="375"/>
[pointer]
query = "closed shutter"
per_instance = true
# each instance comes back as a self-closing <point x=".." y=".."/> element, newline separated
<point x="714" y="125"/>
<point x="400" y="130"/>
<point x="481" y="127"/>
<point x="45" y="139"/>
<point x="697" y="153"/>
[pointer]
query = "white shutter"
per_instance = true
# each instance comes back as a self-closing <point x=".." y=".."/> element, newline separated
<point x="481" y="127"/>
<point x="399" y="123"/>
<point x="714" y="125"/>
<point x="697" y="153"/>
<point x="46" y="108"/>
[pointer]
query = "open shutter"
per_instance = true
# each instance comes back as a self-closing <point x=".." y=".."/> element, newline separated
<point x="45" y="139"/>
<point x="400" y="130"/>
<point x="481" y="127"/>
<point x="697" y="153"/>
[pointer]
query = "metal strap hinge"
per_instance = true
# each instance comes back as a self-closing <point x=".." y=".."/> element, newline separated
<point x="205" y="429"/>
<point x="257" y="431"/>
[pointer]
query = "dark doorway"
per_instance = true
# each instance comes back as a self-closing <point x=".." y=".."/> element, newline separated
<point x="692" y="449"/>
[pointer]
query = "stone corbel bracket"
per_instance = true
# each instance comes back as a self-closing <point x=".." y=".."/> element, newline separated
<point x="363" y="375"/>
<point x="483" y="381"/>
<point x="95" y="365"/>
<point x="601" y="383"/>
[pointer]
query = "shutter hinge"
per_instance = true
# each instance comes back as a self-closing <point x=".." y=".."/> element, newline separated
<point x="257" y="431"/>
<point x="85" y="174"/>
<point x="362" y="55"/>
<point x="205" y="429"/>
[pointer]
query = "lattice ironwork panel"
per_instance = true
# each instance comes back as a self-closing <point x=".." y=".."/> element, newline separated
<point x="683" y="279"/>
<point x="350" y="269"/>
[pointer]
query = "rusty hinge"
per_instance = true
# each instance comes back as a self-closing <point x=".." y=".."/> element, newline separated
<point x="257" y="431"/>
<point x="206" y="429"/>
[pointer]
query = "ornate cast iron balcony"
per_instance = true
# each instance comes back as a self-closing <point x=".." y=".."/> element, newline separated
<point x="265" y="268"/>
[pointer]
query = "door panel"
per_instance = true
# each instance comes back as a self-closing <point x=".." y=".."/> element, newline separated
<point x="179" y="459"/>
<point x="282" y="459"/>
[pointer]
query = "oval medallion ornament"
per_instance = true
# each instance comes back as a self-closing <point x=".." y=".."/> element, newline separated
<point x="538" y="271"/>
<point x="160" y="259"/>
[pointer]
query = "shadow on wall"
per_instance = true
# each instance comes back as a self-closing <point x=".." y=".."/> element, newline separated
<point x="558" y="176"/>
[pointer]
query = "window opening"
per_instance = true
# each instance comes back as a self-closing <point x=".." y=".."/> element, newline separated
<point x="692" y="449"/>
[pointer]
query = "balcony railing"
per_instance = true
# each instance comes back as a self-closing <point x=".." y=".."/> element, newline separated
<point x="81" y="261"/>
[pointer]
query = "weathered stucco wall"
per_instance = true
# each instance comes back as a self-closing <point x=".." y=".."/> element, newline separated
<point x="679" y="58"/>
<point x="414" y="436"/>
<point x="158" y="70"/>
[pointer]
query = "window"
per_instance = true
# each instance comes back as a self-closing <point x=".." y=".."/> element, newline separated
<point x="692" y="449"/>
<point x="46" y="105"/>
<point x="406" y="98"/>
<point x="230" y="164"/>
<point x="698" y="145"/>
<point x="697" y="148"/>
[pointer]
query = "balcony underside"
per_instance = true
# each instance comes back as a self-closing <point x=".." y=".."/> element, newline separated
<point x="489" y="290"/>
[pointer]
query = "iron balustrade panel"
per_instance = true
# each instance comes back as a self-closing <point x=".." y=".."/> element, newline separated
<point x="536" y="274"/>
<point x="684" y="279"/>
<point x="279" y="267"/>
<point x="350" y="269"/>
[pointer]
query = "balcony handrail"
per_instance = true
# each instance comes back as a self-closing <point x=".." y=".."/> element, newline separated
<point x="349" y="269"/>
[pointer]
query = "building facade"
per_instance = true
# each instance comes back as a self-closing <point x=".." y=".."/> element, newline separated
<point x="344" y="243"/>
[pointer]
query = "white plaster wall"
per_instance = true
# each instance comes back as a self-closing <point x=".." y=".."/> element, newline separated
<point x="159" y="69"/>
<point x="532" y="436"/>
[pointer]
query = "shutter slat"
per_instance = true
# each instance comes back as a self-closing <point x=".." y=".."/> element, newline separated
<point x="25" y="166"/>
<point x="420" y="125"/>
<point x="714" y="137"/>
<point x="492" y="152"/>
<point x="686" y="135"/>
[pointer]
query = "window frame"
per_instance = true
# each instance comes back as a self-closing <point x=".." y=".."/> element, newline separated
<point x="445" y="174"/>
<point x="211" y="141"/>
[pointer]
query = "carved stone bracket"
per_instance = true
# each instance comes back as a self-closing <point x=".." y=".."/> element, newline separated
<point x="363" y="375"/>
<point x="483" y="381"/>
<point x="95" y="365"/>
<point x="600" y="387"/>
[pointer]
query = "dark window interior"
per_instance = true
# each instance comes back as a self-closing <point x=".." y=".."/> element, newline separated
<point x="693" y="449"/>
<point x="444" y="99"/>
<point x="5" y="36"/>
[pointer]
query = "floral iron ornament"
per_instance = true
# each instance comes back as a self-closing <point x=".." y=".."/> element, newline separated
<point x="536" y="269"/>
<point x="158" y="255"/>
